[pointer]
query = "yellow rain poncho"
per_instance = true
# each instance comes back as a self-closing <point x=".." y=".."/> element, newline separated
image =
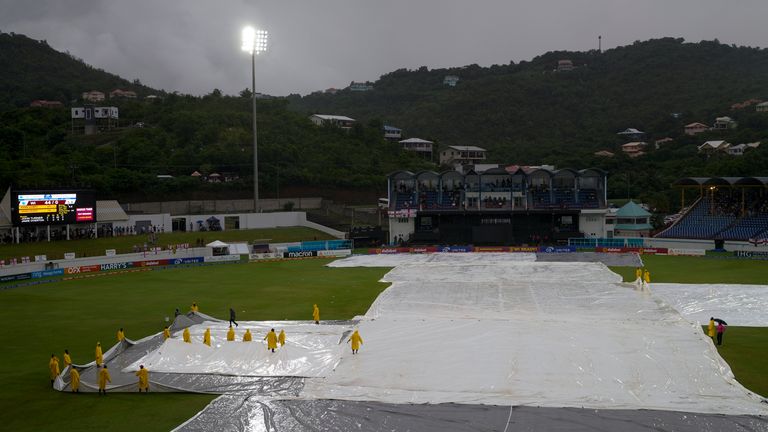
<point x="231" y="334"/>
<point x="120" y="335"/>
<point x="53" y="365"/>
<point x="207" y="337"/>
<point x="67" y="359"/>
<point x="74" y="379"/>
<point x="143" y="375"/>
<point x="271" y="339"/>
<point x="281" y="337"/>
<point x="639" y="273"/>
<point x="104" y="378"/>
<point x="711" y="328"/>
<point x="186" y="337"/>
<point x="316" y="313"/>
<point x="247" y="336"/>
<point x="356" y="341"/>
<point x="194" y="307"/>
<point x="99" y="355"/>
<point x="647" y="277"/>
<point x="166" y="333"/>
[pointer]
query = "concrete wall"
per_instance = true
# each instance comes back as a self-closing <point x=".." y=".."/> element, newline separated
<point x="593" y="225"/>
<point x="702" y="244"/>
<point x="401" y="228"/>
<point x="197" y="207"/>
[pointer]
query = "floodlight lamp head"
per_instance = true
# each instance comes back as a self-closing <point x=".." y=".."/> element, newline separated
<point x="254" y="41"/>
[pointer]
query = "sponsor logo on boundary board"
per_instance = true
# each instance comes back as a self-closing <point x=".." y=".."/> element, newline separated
<point x="222" y="258"/>
<point x="453" y="249"/>
<point x="300" y="254"/>
<point x="751" y="254"/>
<point x="646" y="251"/>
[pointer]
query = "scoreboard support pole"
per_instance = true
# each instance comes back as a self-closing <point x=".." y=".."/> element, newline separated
<point x="18" y="236"/>
<point x="95" y="230"/>
<point x="67" y="231"/>
<point x="49" y="233"/>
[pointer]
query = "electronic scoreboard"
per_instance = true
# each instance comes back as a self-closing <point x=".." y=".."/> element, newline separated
<point x="53" y="207"/>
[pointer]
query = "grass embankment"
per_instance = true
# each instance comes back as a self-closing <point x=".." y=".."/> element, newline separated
<point x="744" y="348"/>
<point x="95" y="247"/>
<point x="45" y="319"/>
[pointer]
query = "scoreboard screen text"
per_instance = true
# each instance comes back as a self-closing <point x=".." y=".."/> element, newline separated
<point x="34" y="208"/>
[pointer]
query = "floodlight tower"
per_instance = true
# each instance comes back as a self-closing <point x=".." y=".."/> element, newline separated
<point x="254" y="42"/>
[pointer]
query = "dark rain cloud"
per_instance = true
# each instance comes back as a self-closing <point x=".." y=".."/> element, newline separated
<point x="193" y="45"/>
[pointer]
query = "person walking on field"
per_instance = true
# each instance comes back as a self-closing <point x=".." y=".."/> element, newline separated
<point x="207" y="337"/>
<point x="143" y="375"/>
<point x="74" y="380"/>
<point x="271" y="339"/>
<point x="247" y="336"/>
<point x="166" y="333"/>
<point x="99" y="355"/>
<point x="53" y="365"/>
<point x="281" y="338"/>
<point x="67" y="359"/>
<point x="356" y="341"/>
<point x="120" y="335"/>
<point x="711" y="328"/>
<point x="194" y="307"/>
<point x="647" y="277"/>
<point x="232" y="317"/>
<point x="231" y="334"/>
<point x="316" y="314"/>
<point x="104" y="378"/>
<point x="720" y="331"/>
<point x="186" y="336"/>
<point x="638" y="274"/>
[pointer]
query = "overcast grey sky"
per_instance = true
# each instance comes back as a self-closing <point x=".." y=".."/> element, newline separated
<point x="193" y="45"/>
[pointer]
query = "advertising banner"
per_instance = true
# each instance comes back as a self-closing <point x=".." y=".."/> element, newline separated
<point x="690" y="252"/>
<point x="424" y="249"/>
<point x="300" y="254"/>
<point x="557" y="249"/>
<point x="452" y="249"/>
<point x="17" y="277"/>
<point x="110" y="252"/>
<point x="223" y="258"/>
<point x="264" y="256"/>
<point x="647" y="251"/>
<point x="335" y="253"/>
<point x="491" y="249"/>
<point x="69" y="256"/>
<point x="115" y="266"/>
<point x="391" y="250"/>
<point x="193" y="260"/>
<point x="526" y="249"/>
<point x="47" y="273"/>
<point x="750" y="254"/>
<point x="151" y="263"/>
<point x="82" y="269"/>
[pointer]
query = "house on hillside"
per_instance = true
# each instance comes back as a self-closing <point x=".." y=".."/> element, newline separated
<point x="745" y="104"/>
<point x="40" y="103"/>
<point x="342" y="122"/>
<point x="93" y="96"/>
<point x="740" y="149"/>
<point x="564" y="65"/>
<point x="604" y="153"/>
<point x="695" y="128"/>
<point x="451" y="80"/>
<point x="462" y="155"/>
<point x="634" y="149"/>
<point x="360" y="86"/>
<point x="632" y="221"/>
<point x="421" y="146"/>
<point x="392" y="133"/>
<point x="762" y="107"/>
<point x="711" y="147"/>
<point x="118" y="93"/>
<point x="632" y="133"/>
<point x="660" y="142"/>
<point x="722" y="123"/>
<point x="331" y="90"/>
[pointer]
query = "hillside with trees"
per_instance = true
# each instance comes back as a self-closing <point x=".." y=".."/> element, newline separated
<point x="524" y="113"/>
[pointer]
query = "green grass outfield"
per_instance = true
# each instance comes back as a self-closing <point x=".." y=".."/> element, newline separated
<point x="95" y="247"/>
<point x="744" y="348"/>
<point x="47" y="318"/>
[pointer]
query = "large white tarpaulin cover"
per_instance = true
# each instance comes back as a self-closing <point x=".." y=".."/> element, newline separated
<point x="485" y="329"/>
<point x="740" y="305"/>
<point x="310" y="351"/>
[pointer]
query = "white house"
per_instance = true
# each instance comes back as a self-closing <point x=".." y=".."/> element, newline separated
<point x="710" y="147"/>
<point x="564" y="65"/>
<point x="451" y="80"/>
<point x="762" y="107"/>
<point x="739" y="149"/>
<point x="93" y="96"/>
<point x="462" y="155"/>
<point x="695" y="128"/>
<point x="634" y="149"/>
<point x="392" y="133"/>
<point x="343" y="122"/>
<point x="360" y="86"/>
<point x="423" y="147"/>
<point x="724" y="123"/>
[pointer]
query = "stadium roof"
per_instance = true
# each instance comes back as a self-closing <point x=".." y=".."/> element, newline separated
<point x="721" y="181"/>
<point x="110" y="211"/>
<point x="632" y="210"/>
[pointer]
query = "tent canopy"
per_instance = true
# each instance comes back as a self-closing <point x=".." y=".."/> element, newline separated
<point x="217" y="244"/>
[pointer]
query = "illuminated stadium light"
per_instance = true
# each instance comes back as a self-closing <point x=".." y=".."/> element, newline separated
<point x="254" y="41"/>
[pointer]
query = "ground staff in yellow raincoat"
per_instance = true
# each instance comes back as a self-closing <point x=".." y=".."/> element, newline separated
<point x="143" y="375"/>
<point x="74" y="380"/>
<point x="316" y="314"/>
<point x="67" y="358"/>
<point x="53" y="365"/>
<point x="120" y="335"/>
<point x="231" y="334"/>
<point x="281" y="337"/>
<point x="356" y="342"/>
<point x="247" y="336"/>
<point x="104" y="378"/>
<point x="186" y="337"/>
<point x="194" y="307"/>
<point x="207" y="337"/>
<point x="99" y="355"/>
<point x="647" y="277"/>
<point x="639" y="274"/>
<point x="271" y="339"/>
<point x="711" y="328"/>
<point x="166" y="333"/>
